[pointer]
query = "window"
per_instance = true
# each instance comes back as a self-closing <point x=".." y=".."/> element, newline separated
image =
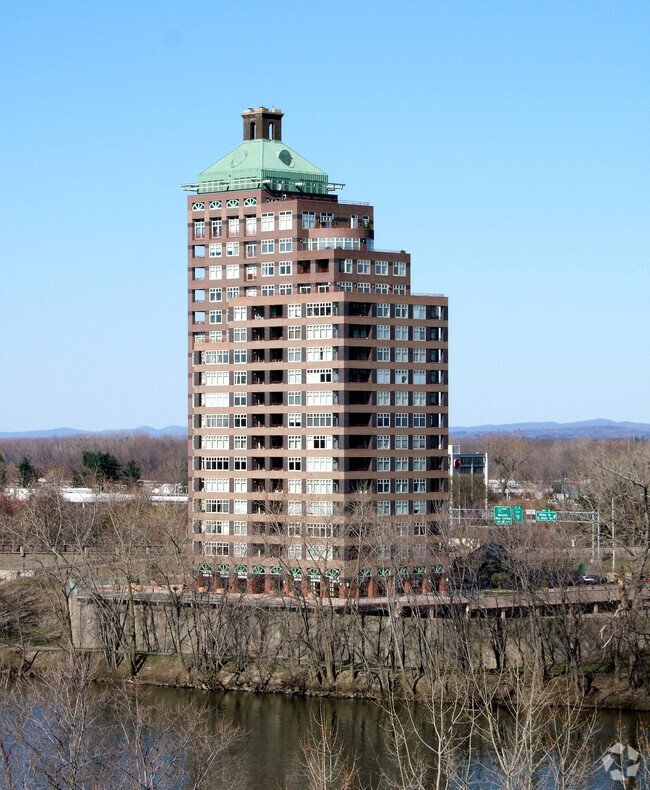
<point x="239" y="463"/>
<point x="285" y="220"/>
<point x="308" y="219"/>
<point x="401" y="377"/>
<point x="320" y="398"/>
<point x="240" y="421"/>
<point x="381" y="288"/>
<point x="233" y="226"/>
<point x="401" y="311"/>
<point x="268" y="269"/>
<point x="383" y="398"/>
<point x="294" y="442"/>
<point x="419" y="398"/>
<point x="401" y="355"/>
<point x="220" y="484"/>
<point x="419" y="463"/>
<point x="294" y="355"/>
<point x="295" y="486"/>
<point x="294" y="311"/>
<point x="363" y="288"/>
<point x="419" y="355"/>
<point x="294" y="377"/>
<point x="214" y="358"/>
<point x="383" y="486"/>
<point x="240" y="549"/>
<point x="401" y="507"/>
<point x="401" y="442"/>
<point x="240" y="506"/>
<point x="419" y="485"/>
<point x="285" y="245"/>
<point x="401" y="399"/>
<point x="381" y="268"/>
<point x="268" y="290"/>
<point x="318" y="309"/>
<point x="294" y="332"/>
<point x="399" y="270"/>
<point x="215" y="463"/>
<point x="294" y="398"/>
<point x="319" y="353"/>
<point x="383" y="376"/>
<point x="294" y="552"/>
<point x="215" y="272"/>
<point x="215" y="250"/>
<point x="216" y="228"/>
<point x="215" y="399"/>
<point x="285" y="268"/>
<point x="401" y="420"/>
<point x="383" y="310"/>
<point x="319" y="331"/>
<point x="251" y="226"/>
<point x="419" y="442"/>
<point x="294" y="464"/>
<point x="240" y="377"/>
<point x="213" y="548"/>
<point x="232" y="248"/>
<point x="345" y="266"/>
<point x="239" y="314"/>
<point x="285" y="289"/>
<point x="383" y="463"/>
<point x="402" y="485"/>
<point x="217" y="505"/>
<point x="401" y="464"/>
<point x="419" y="506"/>
<point x="363" y="267"/>
<point x="317" y="486"/>
<point x="199" y="230"/>
<point x="383" y="354"/>
<point x="319" y="375"/>
<point x="383" y="420"/>
<point x="232" y="271"/>
<point x="268" y="221"/>
<point x="239" y="356"/>
<point x="419" y="311"/>
<point x="239" y="335"/>
<point x="383" y="442"/>
<point x="419" y="333"/>
<point x="240" y="528"/>
<point x="320" y="442"/>
<point x="326" y="219"/>
<point x="239" y="399"/>
<point x="383" y="508"/>
<point x="419" y="377"/>
<point x="214" y="442"/>
<point x="344" y="286"/>
<point x="213" y="527"/>
<point x="316" y="464"/>
<point x="268" y="246"/>
<point x="240" y="442"/>
<point x="294" y="420"/>
<point x="251" y="249"/>
<point x="383" y="332"/>
<point x="212" y="378"/>
<point x="399" y="290"/>
<point x="320" y="420"/>
<point x="215" y="336"/>
<point x="232" y="203"/>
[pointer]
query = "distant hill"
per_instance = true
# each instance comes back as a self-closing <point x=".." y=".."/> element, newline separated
<point x="173" y="430"/>
<point x="587" y="429"/>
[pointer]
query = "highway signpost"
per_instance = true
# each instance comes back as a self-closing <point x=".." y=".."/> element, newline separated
<point x="545" y="515"/>
<point x="502" y="515"/>
<point x="518" y="514"/>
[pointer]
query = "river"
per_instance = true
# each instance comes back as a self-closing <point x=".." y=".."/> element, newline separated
<point x="274" y="727"/>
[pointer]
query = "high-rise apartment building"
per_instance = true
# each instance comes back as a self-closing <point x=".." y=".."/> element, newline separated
<point x="317" y="379"/>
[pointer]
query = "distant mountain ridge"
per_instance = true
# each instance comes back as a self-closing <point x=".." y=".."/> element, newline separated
<point x="585" y="429"/>
<point x="50" y="433"/>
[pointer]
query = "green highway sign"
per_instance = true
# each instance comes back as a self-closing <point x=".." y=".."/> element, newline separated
<point x="546" y="515"/>
<point x="518" y="514"/>
<point x="502" y="515"/>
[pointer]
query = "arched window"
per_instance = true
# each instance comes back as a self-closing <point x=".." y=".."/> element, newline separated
<point x="271" y="131"/>
<point x="252" y="130"/>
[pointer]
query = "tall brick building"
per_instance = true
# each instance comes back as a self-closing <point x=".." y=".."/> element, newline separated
<point x="317" y="380"/>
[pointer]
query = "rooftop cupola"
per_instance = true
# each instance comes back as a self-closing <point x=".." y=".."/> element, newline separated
<point x="262" y="124"/>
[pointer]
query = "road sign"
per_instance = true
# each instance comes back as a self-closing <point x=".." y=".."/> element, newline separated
<point x="546" y="515"/>
<point x="518" y="514"/>
<point x="502" y="515"/>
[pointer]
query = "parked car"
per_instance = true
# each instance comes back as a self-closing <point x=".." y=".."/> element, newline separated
<point x="593" y="578"/>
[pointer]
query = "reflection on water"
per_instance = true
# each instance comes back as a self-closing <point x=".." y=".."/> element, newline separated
<point x="269" y="756"/>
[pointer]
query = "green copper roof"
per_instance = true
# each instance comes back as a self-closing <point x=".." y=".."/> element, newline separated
<point x="258" y="163"/>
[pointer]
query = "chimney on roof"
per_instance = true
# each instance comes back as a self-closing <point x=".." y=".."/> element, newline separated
<point x="262" y="124"/>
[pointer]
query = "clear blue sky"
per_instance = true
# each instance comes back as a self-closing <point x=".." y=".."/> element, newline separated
<point x="504" y="144"/>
